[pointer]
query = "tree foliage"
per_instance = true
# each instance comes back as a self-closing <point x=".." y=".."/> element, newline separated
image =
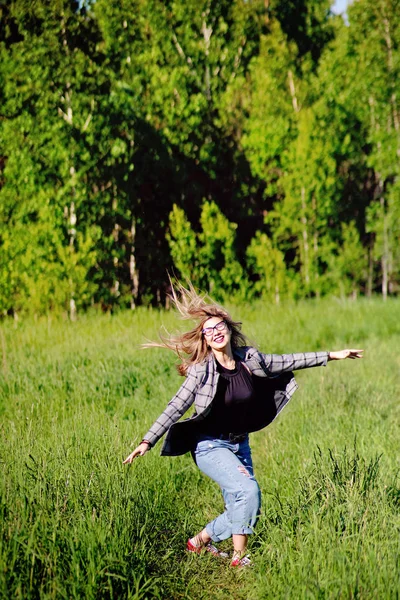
<point x="253" y="147"/>
<point x="208" y="258"/>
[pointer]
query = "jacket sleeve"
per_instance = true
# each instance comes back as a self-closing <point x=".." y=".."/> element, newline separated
<point x="280" y="363"/>
<point x="176" y="407"/>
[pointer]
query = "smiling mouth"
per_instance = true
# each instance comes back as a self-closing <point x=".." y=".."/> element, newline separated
<point x="219" y="339"/>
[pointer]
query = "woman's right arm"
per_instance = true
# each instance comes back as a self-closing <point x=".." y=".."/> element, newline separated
<point x="281" y="363"/>
<point x="176" y="407"/>
<point x="139" y="451"/>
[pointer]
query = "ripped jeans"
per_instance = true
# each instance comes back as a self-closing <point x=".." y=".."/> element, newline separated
<point x="230" y="465"/>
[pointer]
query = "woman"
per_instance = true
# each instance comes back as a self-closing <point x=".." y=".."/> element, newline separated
<point x="235" y="390"/>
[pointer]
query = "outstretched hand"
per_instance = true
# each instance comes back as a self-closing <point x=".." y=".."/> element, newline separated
<point x="139" y="451"/>
<point x="341" y="354"/>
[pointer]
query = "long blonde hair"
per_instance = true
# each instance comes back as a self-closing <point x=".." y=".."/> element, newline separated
<point x="191" y="346"/>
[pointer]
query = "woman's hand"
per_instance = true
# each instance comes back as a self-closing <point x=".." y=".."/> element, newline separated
<point x="341" y="354"/>
<point x="139" y="451"/>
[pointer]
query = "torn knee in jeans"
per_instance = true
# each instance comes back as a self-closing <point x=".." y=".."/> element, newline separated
<point x="244" y="471"/>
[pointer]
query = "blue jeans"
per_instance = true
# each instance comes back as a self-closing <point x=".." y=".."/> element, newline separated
<point x="230" y="465"/>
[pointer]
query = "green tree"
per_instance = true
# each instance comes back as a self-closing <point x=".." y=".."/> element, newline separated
<point x="47" y="112"/>
<point x="208" y="257"/>
<point x="219" y="266"/>
<point x="347" y="263"/>
<point x="291" y="149"/>
<point x="183" y="244"/>
<point x="374" y="46"/>
<point x="169" y="64"/>
<point x="268" y="264"/>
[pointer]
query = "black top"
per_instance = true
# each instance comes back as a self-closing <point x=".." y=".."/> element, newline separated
<point x="238" y="406"/>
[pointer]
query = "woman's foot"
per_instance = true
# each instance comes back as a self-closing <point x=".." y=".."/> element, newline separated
<point x="240" y="560"/>
<point x="198" y="548"/>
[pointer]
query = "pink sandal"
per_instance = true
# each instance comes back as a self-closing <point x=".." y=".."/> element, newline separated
<point x="241" y="562"/>
<point x="190" y="547"/>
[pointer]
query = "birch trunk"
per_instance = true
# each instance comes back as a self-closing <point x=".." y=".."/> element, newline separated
<point x="67" y="115"/>
<point x="393" y="99"/>
<point x="207" y="33"/>
<point x="315" y="244"/>
<point x="4" y="353"/>
<point x="385" y="251"/>
<point x="385" y="233"/>
<point x="134" y="274"/>
<point x="277" y="295"/>
<point x="306" y="269"/>
<point x="293" y="95"/>
<point x="115" y="233"/>
<point x="304" y="220"/>
<point x="370" y="270"/>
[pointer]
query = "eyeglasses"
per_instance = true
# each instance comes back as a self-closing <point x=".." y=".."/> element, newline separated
<point x="209" y="331"/>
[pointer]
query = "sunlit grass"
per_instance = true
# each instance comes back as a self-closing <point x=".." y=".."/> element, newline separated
<point x="76" y="397"/>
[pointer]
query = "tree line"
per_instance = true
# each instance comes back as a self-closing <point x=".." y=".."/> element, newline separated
<point x="251" y="146"/>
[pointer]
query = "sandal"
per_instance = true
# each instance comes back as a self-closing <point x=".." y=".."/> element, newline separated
<point x="241" y="562"/>
<point x="190" y="547"/>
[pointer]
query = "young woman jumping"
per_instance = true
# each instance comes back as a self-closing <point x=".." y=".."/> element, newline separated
<point x="235" y="389"/>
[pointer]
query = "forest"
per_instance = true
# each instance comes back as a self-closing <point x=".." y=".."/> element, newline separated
<point x="252" y="146"/>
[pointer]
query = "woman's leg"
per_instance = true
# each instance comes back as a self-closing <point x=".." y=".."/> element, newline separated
<point x="240" y="541"/>
<point x="230" y="466"/>
<point x="201" y="539"/>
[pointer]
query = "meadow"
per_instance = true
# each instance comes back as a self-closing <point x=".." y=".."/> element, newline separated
<point x="75" y="398"/>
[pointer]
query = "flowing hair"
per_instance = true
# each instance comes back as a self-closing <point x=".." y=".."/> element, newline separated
<point x="191" y="346"/>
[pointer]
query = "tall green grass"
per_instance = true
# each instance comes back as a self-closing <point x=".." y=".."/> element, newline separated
<point x="76" y="523"/>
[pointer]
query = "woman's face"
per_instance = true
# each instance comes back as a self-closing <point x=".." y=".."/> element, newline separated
<point x="217" y="334"/>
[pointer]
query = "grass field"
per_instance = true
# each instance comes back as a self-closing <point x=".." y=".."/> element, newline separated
<point x="76" y="523"/>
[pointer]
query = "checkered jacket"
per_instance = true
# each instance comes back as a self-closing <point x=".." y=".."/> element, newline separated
<point x="200" y="386"/>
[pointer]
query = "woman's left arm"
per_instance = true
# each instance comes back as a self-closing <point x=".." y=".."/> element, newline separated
<point x="281" y="363"/>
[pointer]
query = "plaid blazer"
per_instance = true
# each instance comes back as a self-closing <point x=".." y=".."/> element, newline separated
<point x="200" y="386"/>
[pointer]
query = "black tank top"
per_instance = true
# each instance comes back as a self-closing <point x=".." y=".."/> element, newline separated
<point x="236" y="406"/>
